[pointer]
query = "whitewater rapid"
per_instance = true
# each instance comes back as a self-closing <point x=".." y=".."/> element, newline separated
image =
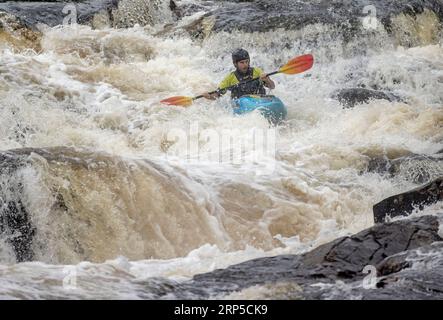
<point x="142" y="208"/>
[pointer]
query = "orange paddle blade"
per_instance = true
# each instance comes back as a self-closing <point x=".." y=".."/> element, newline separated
<point x="298" y="65"/>
<point x="178" y="101"/>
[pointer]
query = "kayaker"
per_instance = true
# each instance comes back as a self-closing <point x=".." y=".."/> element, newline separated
<point x="243" y="72"/>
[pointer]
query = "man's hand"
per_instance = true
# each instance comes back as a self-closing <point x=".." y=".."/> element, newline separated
<point x="209" y="96"/>
<point x="268" y="82"/>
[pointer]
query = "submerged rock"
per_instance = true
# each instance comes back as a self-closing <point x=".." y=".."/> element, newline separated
<point x="15" y="223"/>
<point x="407" y="202"/>
<point x="414" y="168"/>
<point x="353" y="96"/>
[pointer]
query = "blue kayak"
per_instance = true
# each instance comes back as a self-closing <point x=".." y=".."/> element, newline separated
<point x="271" y="107"/>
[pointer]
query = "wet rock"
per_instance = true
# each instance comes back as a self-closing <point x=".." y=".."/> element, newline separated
<point x="13" y="31"/>
<point x="142" y="12"/>
<point x="173" y="6"/>
<point x="351" y="97"/>
<point x="393" y="264"/>
<point x="405" y="203"/>
<point x="115" y="13"/>
<point x="379" y="165"/>
<point x="53" y="13"/>
<point x="15" y="223"/>
<point x="18" y="229"/>
<point x="413" y="274"/>
<point x="265" y="15"/>
<point x="9" y="21"/>
<point x="415" y="168"/>
<point x="407" y="259"/>
<point x="340" y="260"/>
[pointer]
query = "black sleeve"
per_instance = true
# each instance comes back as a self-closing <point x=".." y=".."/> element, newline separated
<point x="221" y="92"/>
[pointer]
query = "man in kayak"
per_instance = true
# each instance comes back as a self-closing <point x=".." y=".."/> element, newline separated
<point x="243" y="72"/>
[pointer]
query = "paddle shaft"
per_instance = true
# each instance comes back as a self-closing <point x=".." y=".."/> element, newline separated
<point x="233" y="86"/>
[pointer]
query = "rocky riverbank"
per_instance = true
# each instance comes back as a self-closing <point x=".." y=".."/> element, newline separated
<point x="382" y="262"/>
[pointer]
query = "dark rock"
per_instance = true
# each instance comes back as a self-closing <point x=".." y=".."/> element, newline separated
<point x="265" y="15"/>
<point x="418" y="169"/>
<point x="353" y="96"/>
<point x="405" y="203"/>
<point x="15" y="223"/>
<point x="413" y="274"/>
<point x="18" y="229"/>
<point x="182" y="10"/>
<point x="379" y="165"/>
<point x="172" y="5"/>
<point x="51" y="13"/>
<point x="393" y="264"/>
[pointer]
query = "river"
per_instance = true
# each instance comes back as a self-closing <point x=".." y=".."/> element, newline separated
<point x="123" y="195"/>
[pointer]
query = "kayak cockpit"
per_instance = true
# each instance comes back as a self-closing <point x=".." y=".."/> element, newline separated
<point x="271" y="107"/>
